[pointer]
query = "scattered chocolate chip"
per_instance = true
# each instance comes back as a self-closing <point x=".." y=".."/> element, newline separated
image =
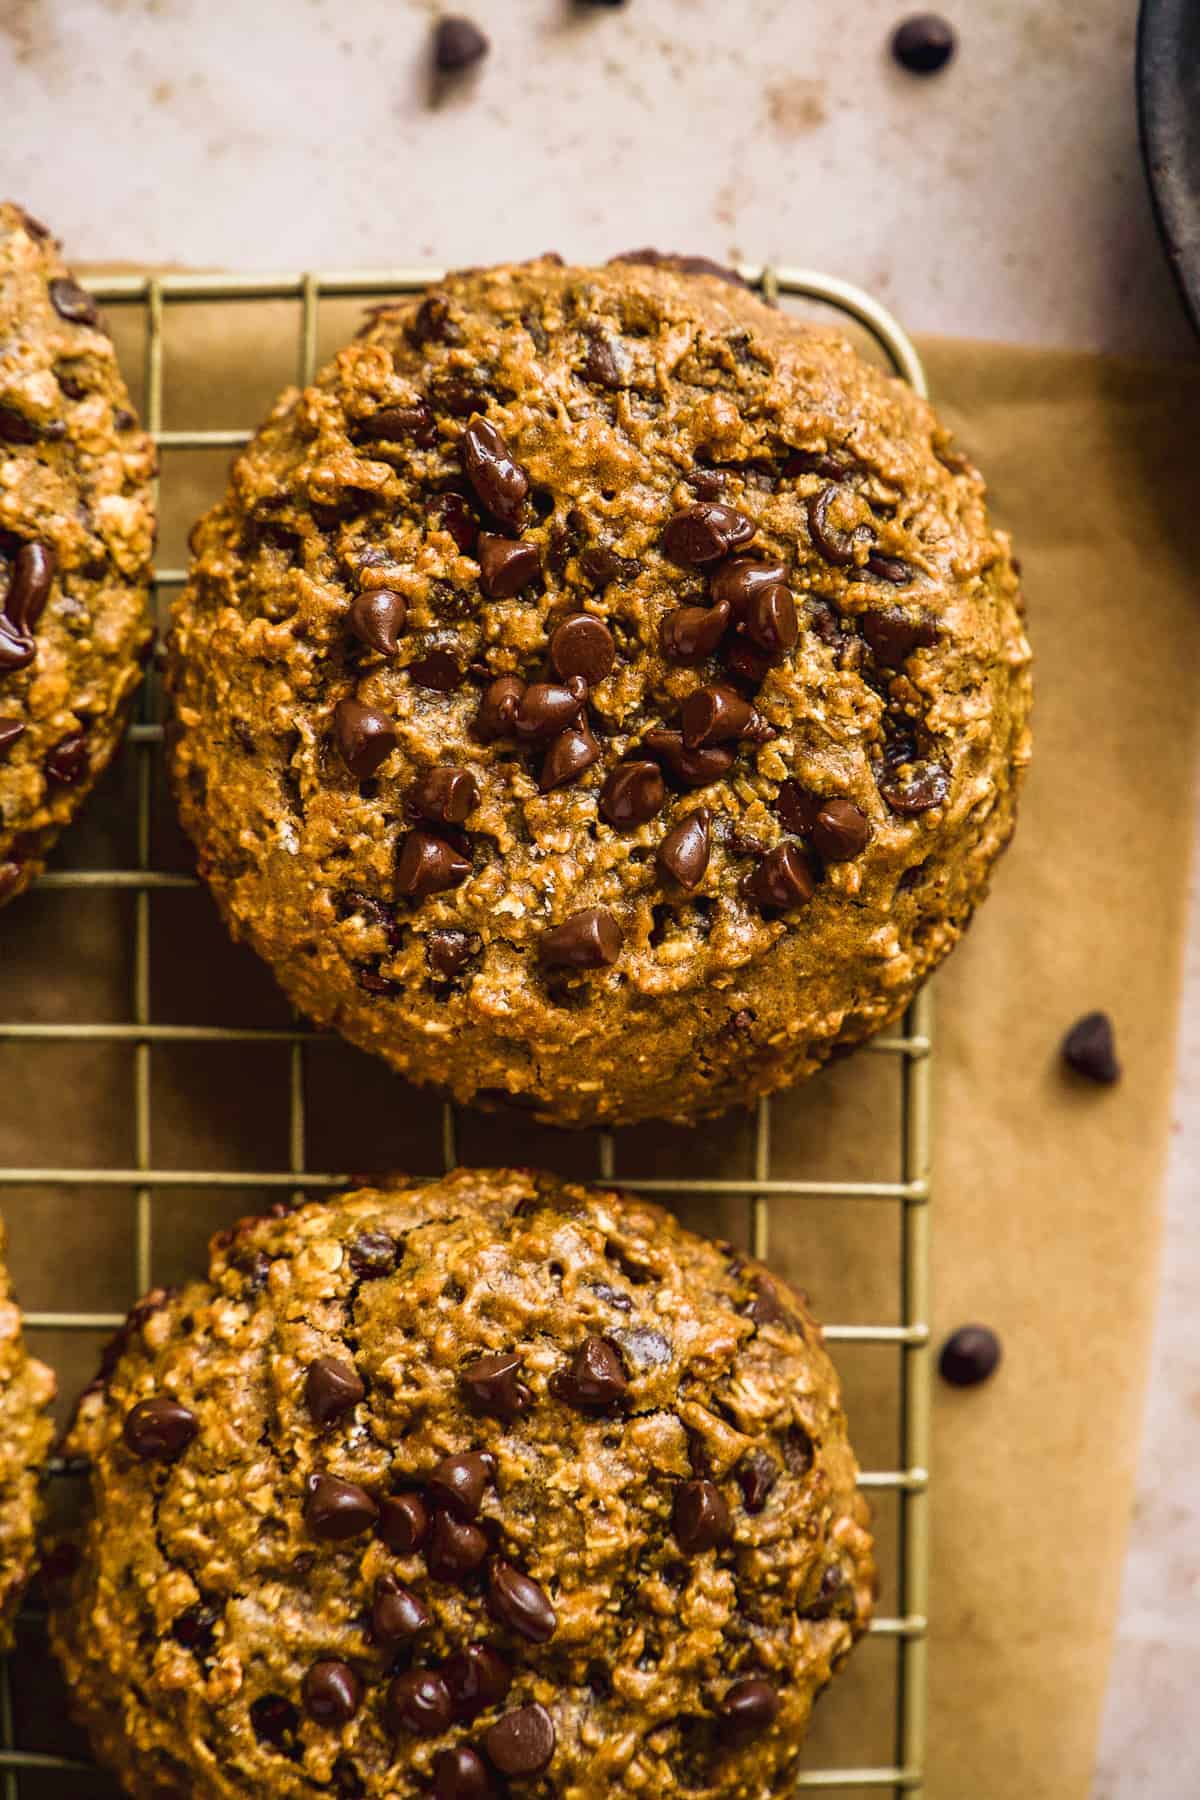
<point x="493" y="1385"/>
<point x="547" y="708"/>
<point x="444" y="795"/>
<point x="691" y="633"/>
<point x="699" y="1518"/>
<point x="837" y="547"/>
<point x="67" y="763"/>
<point x="457" y="518"/>
<point x="448" y="952"/>
<point x="497" y="715"/>
<point x="633" y="793"/>
<point x="602" y="565"/>
<point x="889" y="568"/>
<point x="396" y="1613"/>
<point x="583" y="646"/>
<point x="429" y="865"/>
<point x="589" y="939"/>
<point x="460" y="1774"/>
<point x="592" y="1378"/>
<point x="457" y="43"/>
<point x="418" y="1701"/>
<point x="159" y="1430"/>
<point x="365" y="737"/>
<point x="839" y="830"/>
<point x="684" y="852"/>
<point x="521" y="1742"/>
<point x="393" y="424"/>
<point x="273" y="1719"/>
<point x="195" y="1628"/>
<point x="569" y="755"/>
<point x="736" y="582"/>
<point x="373" y="1254"/>
<point x="797" y="808"/>
<point x="781" y="880"/>
<point x="914" y="786"/>
<point x="336" y="1510"/>
<point x="478" y="1677"/>
<point x="455" y="1548"/>
<point x="705" y="532"/>
<point x="748" y="1708"/>
<point x="693" y="768"/>
<point x="506" y="565"/>
<point x="923" y="44"/>
<point x="332" y="1693"/>
<point x="437" y="670"/>
<point x="458" y="1483"/>
<point x="72" y="303"/>
<point x="770" y="621"/>
<point x="331" y="1388"/>
<point x="433" y="323"/>
<point x="404" y="1523"/>
<point x="745" y="662"/>
<point x="714" y="715"/>
<point x="520" y="1603"/>
<point x="893" y="635"/>
<point x="377" y="618"/>
<point x="601" y="366"/>
<point x="756" y="1474"/>
<point x="1090" y="1050"/>
<point x="499" y="482"/>
<point x="969" y="1355"/>
<point x="10" y="731"/>
<point x="15" y="428"/>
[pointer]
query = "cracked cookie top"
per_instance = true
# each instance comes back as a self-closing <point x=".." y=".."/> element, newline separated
<point x="496" y="1479"/>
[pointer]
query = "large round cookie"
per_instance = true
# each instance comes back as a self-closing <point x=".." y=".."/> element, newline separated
<point x="496" y="1479"/>
<point x="601" y="688"/>
<point x="76" y="538"/>
<point x="26" y="1390"/>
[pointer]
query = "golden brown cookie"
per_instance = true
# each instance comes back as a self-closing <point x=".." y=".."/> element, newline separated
<point x="494" y="1479"/>
<point x="76" y="538"/>
<point x="26" y="1390"/>
<point x="600" y="688"/>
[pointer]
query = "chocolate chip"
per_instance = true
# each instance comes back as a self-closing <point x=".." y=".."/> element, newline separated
<point x="839" y="831"/>
<point x="705" y="532"/>
<point x="602" y="565"/>
<point x="404" y="1523"/>
<point x="418" y="1701"/>
<point x="522" y="1742"/>
<point x="396" y="1613"/>
<point x="457" y="43"/>
<point x="493" y="1385"/>
<point x="569" y="755"/>
<point x="547" y="708"/>
<point x="693" y="768"/>
<point x="756" y="1474"/>
<point x="67" y="763"/>
<point x="699" y="1518"/>
<point x="592" y="1378"/>
<point x="923" y="44"/>
<point x="837" y="547"/>
<point x="478" y="1677"/>
<point x="373" y="1254"/>
<point x="797" y="808"/>
<point x="969" y="1355"/>
<point x="770" y="621"/>
<point x="893" y="635"/>
<point x="159" y="1430"/>
<point x="336" y="1510"/>
<point x="72" y="303"/>
<point x="497" y="715"/>
<point x="331" y="1388"/>
<point x="601" y="366"/>
<point x="332" y="1693"/>
<point x="583" y="646"/>
<point x="738" y="581"/>
<point x="1090" y="1050"/>
<point x="500" y="483"/>
<point x="10" y="731"/>
<point x="433" y="324"/>
<point x="458" y="1483"/>
<point x="684" y="852"/>
<point x="377" y="618"/>
<point x="444" y="795"/>
<point x="15" y="428"/>
<point x="273" y="1719"/>
<point x="781" y="880"/>
<point x="833" y="1587"/>
<point x="393" y="424"/>
<point x="745" y="661"/>
<point x="429" y="865"/>
<point x="889" y="568"/>
<point x="348" y="1784"/>
<point x="913" y="786"/>
<point x="448" y="952"/>
<point x="748" y="1708"/>
<point x="505" y="566"/>
<point x="691" y="633"/>
<point x="23" y="604"/>
<point x="589" y="939"/>
<point x="195" y="1628"/>
<point x="799" y="1451"/>
<point x="365" y="737"/>
<point x="455" y="1549"/>
<point x="632" y="794"/>
<point x="436" y="670"/>
<point x="460" y="1774"/>
<point x="457" y="518"/>
<point x="714" y="715"/>
<point x="520" y="1603"/>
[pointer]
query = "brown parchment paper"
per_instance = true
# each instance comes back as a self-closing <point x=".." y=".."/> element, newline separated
<point x="1047" y="1192"/>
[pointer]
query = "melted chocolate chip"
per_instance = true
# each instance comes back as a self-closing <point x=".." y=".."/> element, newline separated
<point x="331" y="1388"/>
<point x="332" y="1693"/>
<point x="395" y="424"/>
<point x="601" y="365"/>
<point x="522" y="1742"/>
<point x="10" y="731"/>
<point x="437" y="670"/>
<point x="404" y="1523"/>
<point x="461" y="1774"/>
<point x="67" y="763"/>
<point x="457" y="44"/>
<point x="699" y="1518"/>
<point x="458" y="1483"/>
<point x="396" y="1613"/>
<point x="632" y="794"/>
<point x="506" y="566"/>
<point x="456" y="517"/>
<point x="337" y="1510"/>
<point x="497" y="715"/>
<point x="455" y="1548"/>
<point x="748" y="1709"/>
<point x="429" y="865"/>
<point x="1090" y="1049"/>
<point x="499" y="482"/>
<point x="195" y="1628"/>
<point x="602" y="565"/>
<point x="781" y="880"/>
<point x="588" y="939"/>
<point x="273" y="1719"/>
<point x="373" y="1254"/>
<point x="546" y="708"/>
<point x="377" y="618"/>
<point x="913" y="786"/>
<point x="448" y="952"/>
<point x="893" y="635"/>
<point x="444" y="795"/>
<point x="365" y="737"/>
<point x="770" y="621"/>
<point x="969" y="1355"/>
<point x="705" y="532"/>
<point x="571" y="752"/>
<point x="923" y="44"/>
<point x="839" y="830"/>
<point x="756" y="1474"/>
<point x="691" y="633"/>
<point x="72" y="303"/>
<point x="684" y="852"/>
<point x="837" y="547"/>
<point x="159" y="1430"/>
<point x="736" y="582"/>
<point x="714" y="715"/>
<point x="478" y="1677"/>
<point x="692" y="768"/>
<point x="419" y="1702"/>
<point x="592" y="1378"/>
<point x="520" y="1603"/>
<point x="493" y="1385"/>
<point x="583" y="646"/>
<point x="889" y="568"/>
<point x="23" y="605"/>
<point x="797" y="808"/>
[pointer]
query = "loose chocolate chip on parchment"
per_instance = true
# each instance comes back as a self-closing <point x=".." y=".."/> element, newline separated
<point x="404" y="1523"/>
<point x="418" y="1702"/>
<point x="705" y="532"/>
<point x="331" y="1388"/>
<point x="583" y="645"/>
<point x="1090" y="1049"/>
<point x="570" y="753"/>
<point x="506" y="565"/>
<point x="461" y="1774"/>
<point x="632" y="794"/>
<point x="478" y="1677"/>
<point x="691" y="633"/>
<point x="444" y="795"/>
<point x="455" y="1548"/>
<point x="969" y="1355"/>
<point x="365" y="737"/>
<point x="500" y="483"/>
<point x="429" y="865"/>
<point x="699" y="1517"/>
<point x="592" y="1378"/>
<point x="519" y="1602"/>
<point x="459" y="1482"/>
<point x="159" y="1430"/>
<point x="493" y="1385"/>
<point x="923" y="44"/>
<point x="588" y="939"/>
<point x="73" y="303"/>
<point x="377" y="618"/>
<point x="684" y="853"/>
<point x="396" y="1613"/>
<point x="748" y="1708"/>
<point x="782" y="879"/>
<point x="457" y="44"/>
<point x="332" y="1693"/>
<point x="337" y="1510"/>
<point x="521" y="1742"/>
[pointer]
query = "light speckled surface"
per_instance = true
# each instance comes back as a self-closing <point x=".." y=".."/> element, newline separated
<point x="1003" y="199"/>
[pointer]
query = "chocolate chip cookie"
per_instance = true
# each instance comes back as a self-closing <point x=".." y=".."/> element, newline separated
<point x="498" y="1480"/>
<point x="600" y="688"/>
<point x="26" y="1390"/>
<point x="76" y="537"/>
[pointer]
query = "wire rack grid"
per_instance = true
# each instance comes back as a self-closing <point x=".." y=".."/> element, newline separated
<point x="911" y="1049"/>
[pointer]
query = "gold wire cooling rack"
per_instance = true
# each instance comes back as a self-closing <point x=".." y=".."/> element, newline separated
<point x="26" y="1771"/>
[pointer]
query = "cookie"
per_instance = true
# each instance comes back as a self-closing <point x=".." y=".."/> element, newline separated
<point x="602" y="689"/>
<point x="26" y="1390"/>
<point x="497" y="1479"/>
<point x="76" y="539"/>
